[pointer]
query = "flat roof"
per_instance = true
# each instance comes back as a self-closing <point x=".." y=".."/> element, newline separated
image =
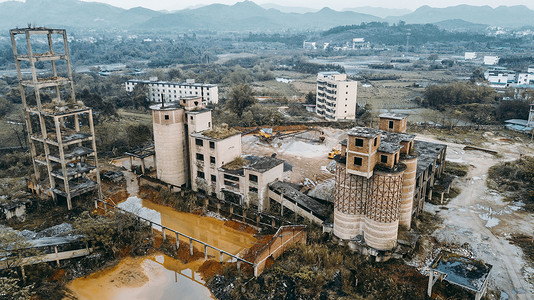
<point x="166" y="106"/>
<point x="260" y="164"/>
<point x="393" y="116"/>
<point x="428" y="152"/>
<point x="463" y="271"/>
<point x="173" y="83"/>
<point x="364" y="132"/>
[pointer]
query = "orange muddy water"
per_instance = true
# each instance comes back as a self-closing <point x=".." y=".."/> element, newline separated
<point x="158" y="276"/>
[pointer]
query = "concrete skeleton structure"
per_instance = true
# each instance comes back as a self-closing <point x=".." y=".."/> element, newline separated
<point x="336" y="96"/>
<point x="64" y="140"/>
<point x="174" y="91"/>
<point x="190" y="153"/>
<point x="381" y="184"/>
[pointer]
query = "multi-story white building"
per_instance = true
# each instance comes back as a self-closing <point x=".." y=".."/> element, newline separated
<point x="336" y="96"/>
<point x="491" y="60"/>
<point x="470" y="55"/>
<point x="174" y="91"/>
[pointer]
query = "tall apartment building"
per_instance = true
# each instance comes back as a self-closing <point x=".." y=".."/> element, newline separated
<point x="174" y="91"/>
<point x="336" y="96"/>
<point x="382" y="179"/>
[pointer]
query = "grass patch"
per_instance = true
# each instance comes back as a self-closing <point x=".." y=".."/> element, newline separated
<point x="526" y="243"/>
<point x="456" y="169"/>
<point x="427" y="222"/>
<point x="515" y="177"/>
<point x="220" y="132"/>
<point x="322" y="269"/>
<point x="236" y="164"/>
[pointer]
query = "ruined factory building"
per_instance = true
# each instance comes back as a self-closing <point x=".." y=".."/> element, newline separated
<point x="288" y="197"/>
<point x="61" y="131"/>
<point x="383" y="177"/>
<point x="462" y="271"/>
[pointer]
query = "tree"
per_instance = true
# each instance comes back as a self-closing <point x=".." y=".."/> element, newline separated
<point x="138" y="135"/>
<point x="10" y="289"/>
<point x="241" y="97"/>
<point x="5" y="106"/>
<point x="310" y="98"/>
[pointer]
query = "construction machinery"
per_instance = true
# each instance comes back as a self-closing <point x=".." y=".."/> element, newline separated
<point x="333" y="153"/>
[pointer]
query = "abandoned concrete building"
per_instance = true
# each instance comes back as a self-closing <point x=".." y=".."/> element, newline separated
<point x="61" y="131"/>
<point x="383" y="177"/>
<point x="189" y="152"/>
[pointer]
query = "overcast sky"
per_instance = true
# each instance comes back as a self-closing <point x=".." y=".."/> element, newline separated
<point x="335" y="4"/>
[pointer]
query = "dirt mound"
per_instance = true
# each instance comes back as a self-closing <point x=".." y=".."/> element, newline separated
<point x="240" y="227"/>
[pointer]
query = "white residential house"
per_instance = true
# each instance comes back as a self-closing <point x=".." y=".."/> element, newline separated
<point x="490" y="60"/>
<point x="470" y="55"/>
<point x="174" y="91"/>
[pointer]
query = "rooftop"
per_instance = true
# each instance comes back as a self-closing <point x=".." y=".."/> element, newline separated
<point x="364" y="132"/>
<point x="462" y="271"/>
<point x="173" y="83"/>
<point x="428" y="152"/>
<point x="262" y="164"/>
<point x="253" y="163"/>
<point x="393" y="116"/>
<point x="166" y="106"/>
<point x="217" y="133"/>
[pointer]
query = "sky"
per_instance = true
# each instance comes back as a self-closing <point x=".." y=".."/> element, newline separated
<point x="334" y="4"/>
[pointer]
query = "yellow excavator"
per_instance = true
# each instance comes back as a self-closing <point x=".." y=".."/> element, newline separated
<point x="333" y="153"/>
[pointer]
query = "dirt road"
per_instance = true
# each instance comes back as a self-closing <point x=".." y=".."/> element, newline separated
<point x="479" y="217"/>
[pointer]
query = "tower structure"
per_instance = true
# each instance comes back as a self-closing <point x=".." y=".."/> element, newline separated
<point x="60" y="130"/>
<point x="530" y="122"/>
<point x="375" y="183"/>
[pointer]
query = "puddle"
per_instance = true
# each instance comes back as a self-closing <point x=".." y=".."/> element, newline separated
<point x="153" y="277"/>
<point x="206" y="229"/>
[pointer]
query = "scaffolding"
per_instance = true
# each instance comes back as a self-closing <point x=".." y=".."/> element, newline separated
<point x="61" y="133"/>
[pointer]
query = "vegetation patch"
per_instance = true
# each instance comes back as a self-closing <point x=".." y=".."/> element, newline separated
<point x="515" y="177"/>
<point x="236" y="164"/>
<point x="220" y="132"/>
<point x="526" y="243"/>
<point x="326" y="270"/>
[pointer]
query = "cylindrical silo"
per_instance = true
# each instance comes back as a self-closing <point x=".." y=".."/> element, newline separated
<point x="382" y="211"/>
<point x="408" y="188"/>
<point x="170" y="143"/>
<point x="350" y="194"/>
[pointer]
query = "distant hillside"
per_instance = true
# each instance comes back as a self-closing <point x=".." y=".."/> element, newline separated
<point x="70" y="13"/>
<point x="288" y="9"/>
<point x="379" y="11"/>
<point x="248" y="16"/>
<point x="460" y="25"/>
<point x="511" y="16"/>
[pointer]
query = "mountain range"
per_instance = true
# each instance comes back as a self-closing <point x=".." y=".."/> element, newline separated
<point x="246" y="16"/>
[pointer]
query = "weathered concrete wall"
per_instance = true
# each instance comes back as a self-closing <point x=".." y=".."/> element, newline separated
<point x="276" y="173"/>
<point x="398" y="125"/>
<point x="170" y="145"/>
<point x="382" y="211"/>
<point x="408" y="189"/>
